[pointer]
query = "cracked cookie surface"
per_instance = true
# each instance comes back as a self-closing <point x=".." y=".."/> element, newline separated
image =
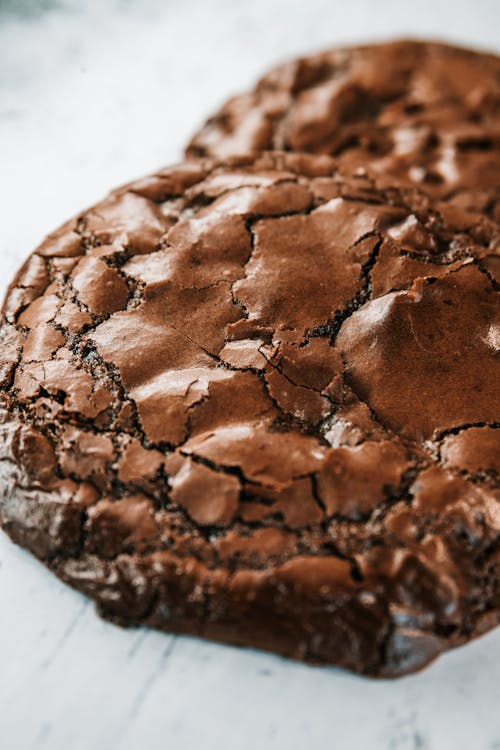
<point x="257" y="401"/>
<point x="409" y="111"/>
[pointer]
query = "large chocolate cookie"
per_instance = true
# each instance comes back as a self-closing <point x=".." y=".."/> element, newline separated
<point x="259" y="402"/>
<point x="411" y="111"/>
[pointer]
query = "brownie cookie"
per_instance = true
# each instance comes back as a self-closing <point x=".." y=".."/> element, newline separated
<point x="259" y="402"/>
<point x="422" y="112"/>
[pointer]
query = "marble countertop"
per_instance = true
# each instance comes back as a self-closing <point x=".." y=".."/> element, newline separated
<point x="93" y="94"/>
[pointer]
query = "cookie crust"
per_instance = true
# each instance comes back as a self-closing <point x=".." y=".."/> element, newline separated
<point x="410" y="111"/>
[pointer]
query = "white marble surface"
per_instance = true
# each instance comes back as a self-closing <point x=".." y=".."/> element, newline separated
<point x="97" y="92"/>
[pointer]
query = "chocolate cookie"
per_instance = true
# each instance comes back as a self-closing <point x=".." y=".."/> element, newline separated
<point x="410" y="111"/>
<point x="259" y="402"/>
